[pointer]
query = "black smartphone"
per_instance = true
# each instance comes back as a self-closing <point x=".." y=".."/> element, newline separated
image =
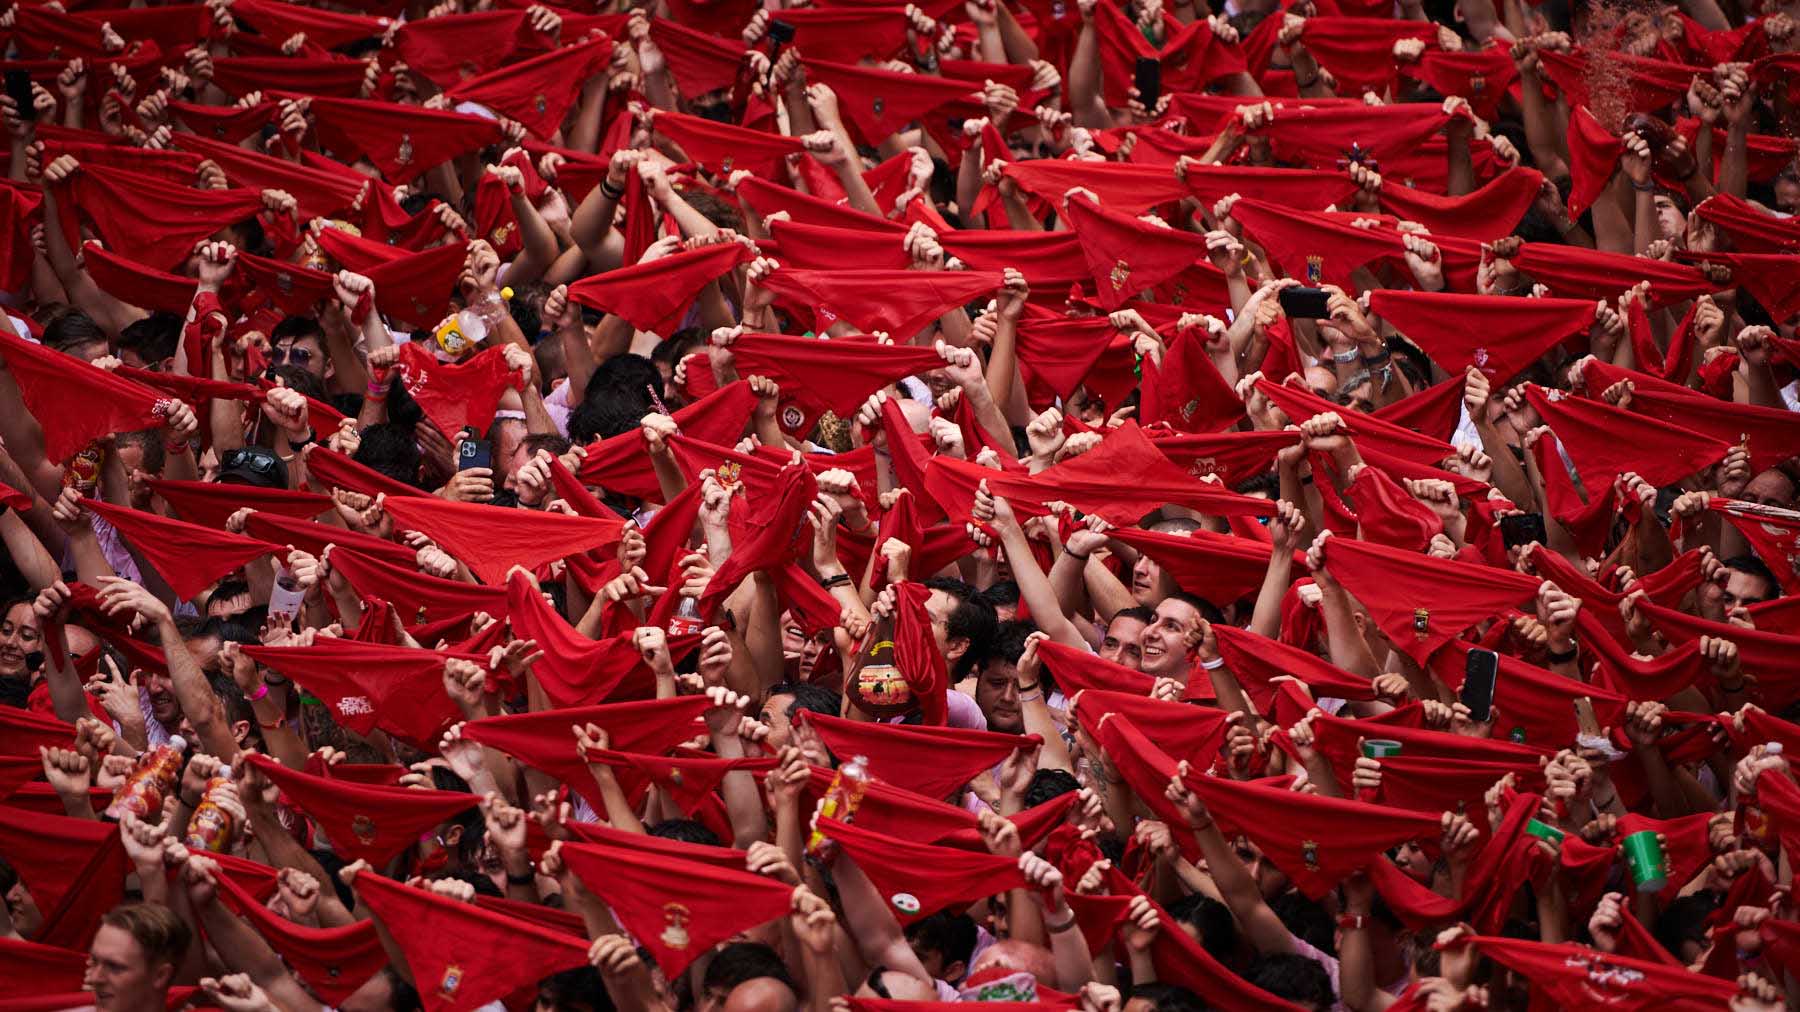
<point x="1149" y="81"/>
<point x="1482" y="668"/>
<point x="18" y="85"/>
<point x="782" y="32"/>
<point x="1521" y="529"/>
<point x="1304" y="303"/>
<point x="474" y="453"/>
<point x="591" y="317"/>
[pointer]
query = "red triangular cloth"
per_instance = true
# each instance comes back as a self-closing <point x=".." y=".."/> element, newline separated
<point x="365" y="822"/>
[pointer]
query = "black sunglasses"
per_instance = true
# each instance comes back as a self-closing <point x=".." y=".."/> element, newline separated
<point x="257" y="463"/>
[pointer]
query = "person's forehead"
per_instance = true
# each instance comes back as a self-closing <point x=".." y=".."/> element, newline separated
<point x="20" y="614"/>
<point x="115" y="943"/>
<point x="1179" y="610"/>
<point x="1125" y="625"/>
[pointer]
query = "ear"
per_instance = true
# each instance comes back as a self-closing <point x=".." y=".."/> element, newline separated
<point x="956" y="971"/>
<point x="240" y="732"/>
<point x="452" y="837"/>
<point x="954" y="648"/>
<point x="162" y="976"/>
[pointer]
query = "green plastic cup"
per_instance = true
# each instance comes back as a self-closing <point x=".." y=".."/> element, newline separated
<point x="1644" y="856"/>
<point x="1380" y="748"/>
<point x="1543" y="832"/>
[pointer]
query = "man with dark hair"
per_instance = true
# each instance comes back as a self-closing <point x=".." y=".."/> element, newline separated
<point x="1294" y="977"/>
<point x="961" y="623"/>
<point x="746" y="977"/>
<point x="21" y="916"/>
<point x="151" y="343"/>
<point x="1172" y="634"/>
<point x="134" y="957"/>
<point x="944" y="943"/>
<point x="299" y="341"/>
<point x="1122" y="643"/>
<point x="393" y="450"/>
<point x="996" y="677"/>
<point x="785" y="702"/>
<point x="75" y="333"/>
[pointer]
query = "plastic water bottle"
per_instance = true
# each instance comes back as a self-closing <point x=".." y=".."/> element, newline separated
<point x="842" y="799"/>
<point x="286" y="595"/>
<point x="482" y="315"/>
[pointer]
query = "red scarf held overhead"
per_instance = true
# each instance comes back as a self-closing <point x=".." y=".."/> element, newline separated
<point x="315" y="538"/>
<point x="453" y="48"/>
<point x="699" y="61"/>
<point x="1122" y="186"/>
<point x="1190" y="56"/>
<point x="1605" y="441"/>
<point x="75" y="869"/>
<point x="768" y="536"/>
<point x="655" y="296"/>
<point x="678" y="908"/>
<point x="1500" y="336"/>
<point x="459" y="394"/>
<point x="898" y="303"/>
<point x="893" y="751"/>
<point x="1420" y="602"/>
<point x="1775" y="541"/>
<point x="50" y="381"/>
<point x="1299" y="405"/>
<point x="1091" y="482"/>
<point x="1126" y="255"/>
<point x="370" y="685"/>
<point x="28" y="968"/>
<point x="1773" y="432"/>
<point x="537" y="92"/>
<point x="189" y="557"/>
<point x="1580" y="978"/>
<point x="1256" y="661"/>
<point x="620" y="464"/>
<point x="365" y="822"/>
<point x="1320" y="135"/>
<point x="575" y="670"/>
<point x="827" y="375"/>
<point x="1483" y="76"/>
<point x="149" y="219"/>
<point x="402" y="141"/>
<point x="1057" y="354"/>
<point x="1217" y="567"/>
<point x="334" y="962"/>
<point x="542" y="740"/>
<point x="491" y="540"/>
<point x="1184" y="730"/>
<point x="877" y="102"/>
<point x="209" y="503"/>
<point x="1387" y="515"/>
<point x="1359" y="51"/>
<point x="1187" y="390"/>
<point x="1593" y="155"/>
<point x="722" y="148"/>
<point x="462" y="956"/>
<point x="918" y="879"/>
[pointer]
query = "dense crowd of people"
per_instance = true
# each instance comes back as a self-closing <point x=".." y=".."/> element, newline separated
<point x="713" y="505"/>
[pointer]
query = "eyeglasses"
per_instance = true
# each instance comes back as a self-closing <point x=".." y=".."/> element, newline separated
<point x="289" y="355"/>
<point x="261" y="464"/>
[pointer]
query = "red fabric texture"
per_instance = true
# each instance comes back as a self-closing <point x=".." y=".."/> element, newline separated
<point x="75" y="869"/>
<point x="491" y="540"/>
<point x="574" y="671"/>
<point x="1395" y="586"/>
<point x="898" y="303"/>
<point x="148" y="219"/>
<point x="542" y="739"/>
<point x="1605" y="441"/>
<point x="1091" y="482"/>
<point x="1299" y="405"/>
<point x="621" y="465"/>
<point x="369" y="685"/>
<point x="363" y="821"/>
<point x="655" y="296"/>
<point x="676" y="908"/>
<point x="1256" y="661"/>
<point x="1498" y="335"/>
<point x="49" y="381"/>
<point x="537" y="92"/>
<point x="1217" y="567"/>
<point x="462" y="956"/>
<point x="332" y="961"/>
<point x="455" y="395"/>
<point x="187" y="556"/>
<point x="893" y="751"/>
<point x="723" y="148"/>
<point x="1187" y="390"/>
<point x="1577" y="977"/>
<point x="1593" y="155"/>
<point x="1773" y="432"/>
<point x="931" y="877"/>
<point x="402" y="141"/>
<point x="827" y="375"/>
<point x="1126" y="255"/>
<point x="209" y="503"/>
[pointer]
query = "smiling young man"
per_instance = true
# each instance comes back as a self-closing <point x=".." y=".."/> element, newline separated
<point x="134" y="957"/>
